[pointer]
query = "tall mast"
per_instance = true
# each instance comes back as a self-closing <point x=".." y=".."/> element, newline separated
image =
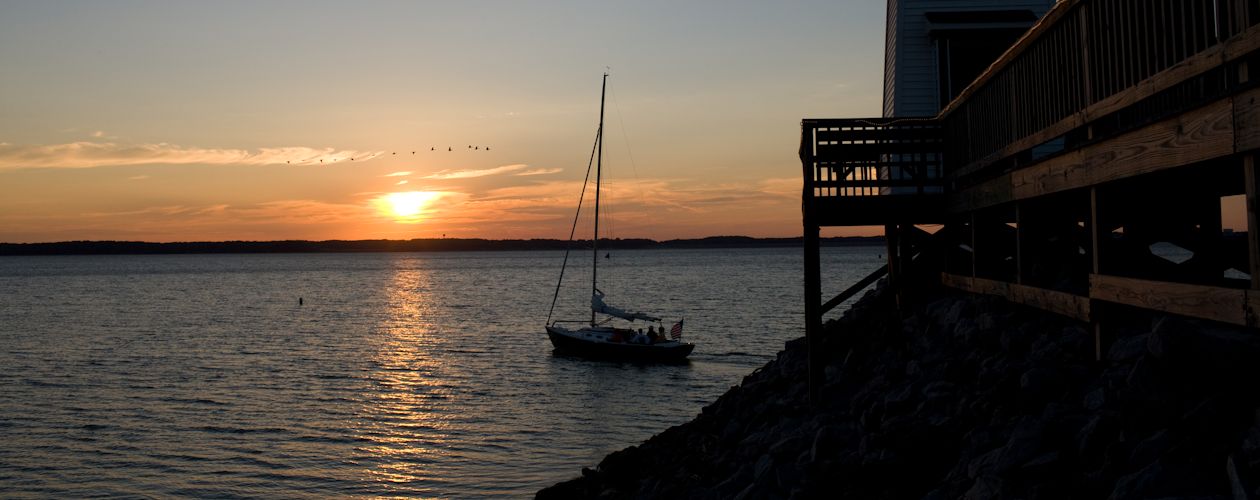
<point x="599" y="160"/>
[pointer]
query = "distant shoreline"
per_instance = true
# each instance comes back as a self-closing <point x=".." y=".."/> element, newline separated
<point x="414" y="245"/>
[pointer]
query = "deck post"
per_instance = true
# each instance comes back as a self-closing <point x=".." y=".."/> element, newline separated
<point x="1208" y="206"/>
<point x="1253" y="220"/>
<point x="974" y="261"/>
<point x="892" y="239"/>
<point x="1095" y="234"/>
<point x="813" y="307"/>
<point x="1019" y="244"/>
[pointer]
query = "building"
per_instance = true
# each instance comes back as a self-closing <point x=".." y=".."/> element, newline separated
<point x="1108" y="128"/>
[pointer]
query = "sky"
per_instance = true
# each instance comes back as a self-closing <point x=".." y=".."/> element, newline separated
<point x="205" y="121"/>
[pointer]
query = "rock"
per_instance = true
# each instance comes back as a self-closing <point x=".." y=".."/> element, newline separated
<point x="1096" y="435"/>
<point x="790" y="446"/>
<point x="1195" y="350"/>
<point x="735" y="483"/>
<point x="984" y="464"/>
<point x="828" y="442"/>
<point x="1167" y="338"/>
<point x="788" y="476"/>
<point x="957" y="311"/>
<point x="1095" y="399"/>
<point x="1150" y="482"/>
<point x="938" y="389"/>
<point x="1238" y="488"/>
<point x="764" y="465"/>
<point x="985" y="488"/>
<point x="1150" y="449"/>
<point x="1128" y="348"/>
<point x="968" y="400"/>
<point x="1042" y="384"/>
<point x="986" y="321"/>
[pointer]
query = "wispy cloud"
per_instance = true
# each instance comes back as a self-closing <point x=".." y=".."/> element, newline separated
<point x="85" y="154"/>
<point x="541" y="171"/>
<point x="398" y="174"/>
<point x="404" y="181"/>
<point x="468" y="174"/>
<point x="138" y="177"/>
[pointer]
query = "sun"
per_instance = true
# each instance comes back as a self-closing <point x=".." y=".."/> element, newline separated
<point x="408" y="206"/>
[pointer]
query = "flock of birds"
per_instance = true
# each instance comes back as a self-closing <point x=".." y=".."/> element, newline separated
<point x="395" y="153"/>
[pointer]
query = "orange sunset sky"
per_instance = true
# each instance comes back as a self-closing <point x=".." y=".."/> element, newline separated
<point x="179" y="121"/>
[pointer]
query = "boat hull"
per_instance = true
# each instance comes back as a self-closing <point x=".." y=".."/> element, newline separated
<point x="572" y="343"/>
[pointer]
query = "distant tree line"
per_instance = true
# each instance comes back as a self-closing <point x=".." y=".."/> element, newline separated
<point x="415" y="245"/>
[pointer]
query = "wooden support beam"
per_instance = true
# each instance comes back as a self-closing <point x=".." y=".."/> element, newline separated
<point x="1253" y="219"/>
<point x="1096" y="233"/>
<point x="1061" y="303"/>
<point x="1228" y="305"/>
<point x="854" y="289"/>
<point x="813" y="312"/>
<point x="1247" y="121"/>
<point x="1020" y="232"/>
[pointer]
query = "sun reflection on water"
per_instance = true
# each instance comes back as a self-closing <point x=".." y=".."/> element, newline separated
<point x="406" y="417"/>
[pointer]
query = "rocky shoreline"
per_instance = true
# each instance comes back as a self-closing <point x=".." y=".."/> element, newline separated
<point x="964" y="396"/>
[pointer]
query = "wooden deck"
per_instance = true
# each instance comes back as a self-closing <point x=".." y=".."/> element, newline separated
<point x="1111" y="126"/>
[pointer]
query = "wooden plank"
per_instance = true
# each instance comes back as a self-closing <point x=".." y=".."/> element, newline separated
<point x="1053" y="301"/>
<point x="843" y="183"/>
<point x="1048" y="176"/>
<point x="1247" y="121"/>
<point x="986" y="194"/>
<point x="1202" y="134"/>
<point x="956" y="281"/>
<point x="1061" y="303"/>
<point x="1253" y="308"/>
<point x="889" y="133"/>
<point x="990" y="287"/>
<point x="1219" y="304"/>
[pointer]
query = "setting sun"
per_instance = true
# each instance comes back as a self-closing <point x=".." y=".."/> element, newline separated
<point x="407" y="206"/>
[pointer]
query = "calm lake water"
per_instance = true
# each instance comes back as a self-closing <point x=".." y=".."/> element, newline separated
<point x="418" y="374"/>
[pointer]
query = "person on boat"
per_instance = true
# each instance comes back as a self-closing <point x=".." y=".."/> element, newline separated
<point x="640" y="338"/>
<point x="651" y="334"/>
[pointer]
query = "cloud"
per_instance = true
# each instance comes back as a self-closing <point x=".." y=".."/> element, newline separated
<point x="85" y="154"/>
<point x="98" y="134"/>
<point x="541" y="171"/>
<point x="397" y="174"/>
<point x="468" y="174"/>
<point x="404" y="181"/>
<point x="138" y="177"/>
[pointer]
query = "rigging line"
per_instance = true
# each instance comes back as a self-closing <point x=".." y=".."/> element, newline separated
<point x="572" y="231"/>
<point x="625" y="137"/>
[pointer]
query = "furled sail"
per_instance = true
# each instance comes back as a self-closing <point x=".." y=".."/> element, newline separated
<point x="598" y="305"/>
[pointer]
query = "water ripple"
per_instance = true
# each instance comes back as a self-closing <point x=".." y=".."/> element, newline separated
<point x="418" y="375"/>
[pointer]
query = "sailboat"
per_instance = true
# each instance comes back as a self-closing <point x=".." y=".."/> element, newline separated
<point x="602" y="337"/>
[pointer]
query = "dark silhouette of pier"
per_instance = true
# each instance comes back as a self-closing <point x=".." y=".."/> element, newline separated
<point x="1109" y="128"/>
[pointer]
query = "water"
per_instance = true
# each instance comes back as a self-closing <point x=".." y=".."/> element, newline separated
<point x="402" y="374"/>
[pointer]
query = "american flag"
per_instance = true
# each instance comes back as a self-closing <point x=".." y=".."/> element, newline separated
<point x="676" y="332"/>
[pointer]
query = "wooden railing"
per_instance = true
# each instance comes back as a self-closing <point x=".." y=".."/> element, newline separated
<point x="1085" y="61"/>
<point x="864" y="157"/>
